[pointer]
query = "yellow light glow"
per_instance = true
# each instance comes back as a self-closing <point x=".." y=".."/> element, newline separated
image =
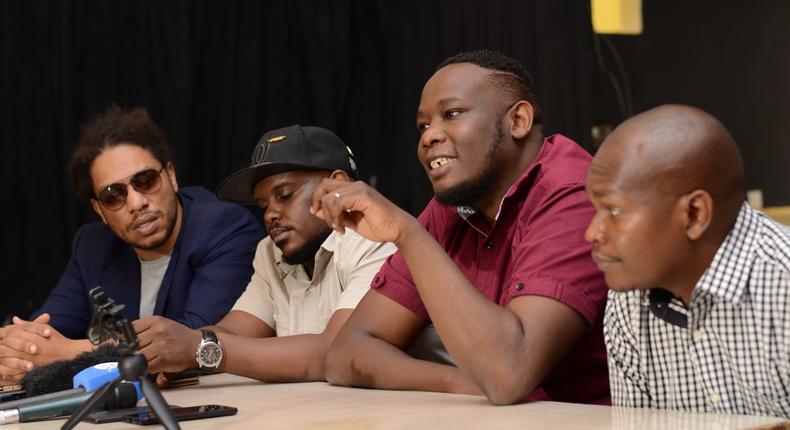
<point x="617" y="16"/>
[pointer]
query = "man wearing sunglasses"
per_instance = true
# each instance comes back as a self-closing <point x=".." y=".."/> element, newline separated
<point x="159" y="250"/>
<point x="307" y="278"/>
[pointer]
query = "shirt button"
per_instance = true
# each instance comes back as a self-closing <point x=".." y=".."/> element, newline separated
<point x="715" y="398"/>
<point x="697" y="335"/>
<point x="488" y="245"/>
<point x="519" y="286"/>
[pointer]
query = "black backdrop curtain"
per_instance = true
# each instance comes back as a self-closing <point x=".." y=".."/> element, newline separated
<point x="215" y="75"/>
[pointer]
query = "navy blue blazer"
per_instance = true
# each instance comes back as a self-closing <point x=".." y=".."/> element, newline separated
<point x="210" y="266"/>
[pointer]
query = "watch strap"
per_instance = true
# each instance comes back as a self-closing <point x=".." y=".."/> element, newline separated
<point x="209" y="336"/>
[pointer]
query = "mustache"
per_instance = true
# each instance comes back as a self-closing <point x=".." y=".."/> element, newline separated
<point x="142" y="218"/>
<point x="276" y="227"/>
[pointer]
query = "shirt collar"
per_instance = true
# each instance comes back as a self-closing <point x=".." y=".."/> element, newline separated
<point x="728" y="274"/>
<point x="323" y="255"/>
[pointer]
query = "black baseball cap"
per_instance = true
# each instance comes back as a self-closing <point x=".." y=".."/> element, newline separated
<point x="285" y="149"/>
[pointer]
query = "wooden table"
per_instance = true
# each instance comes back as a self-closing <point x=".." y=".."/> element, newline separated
<point x="324" y="407"/>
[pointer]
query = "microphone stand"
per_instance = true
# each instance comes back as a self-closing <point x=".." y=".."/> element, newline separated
<point x="107" y="324"/>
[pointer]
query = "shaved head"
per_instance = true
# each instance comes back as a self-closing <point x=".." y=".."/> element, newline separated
<point x="667" y="185"/>
<point x="671" y="150"/>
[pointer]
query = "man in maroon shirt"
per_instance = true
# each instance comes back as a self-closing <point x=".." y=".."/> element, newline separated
<point x="497" y="262"/>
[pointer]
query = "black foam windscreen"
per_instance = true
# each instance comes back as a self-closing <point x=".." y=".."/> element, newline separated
<point x="58" y="375"/>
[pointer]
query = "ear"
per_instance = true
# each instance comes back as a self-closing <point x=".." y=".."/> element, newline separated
<point x="522" y="114"/>
<point x="340" y="175"/>
<point x="698" y="209"/>
<point x="171" y="174"/>
<point x="97" y="208"/>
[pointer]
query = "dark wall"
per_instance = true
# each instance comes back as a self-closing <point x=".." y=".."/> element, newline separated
<point x="730" y="58"/>
<point x="216" y="75"/>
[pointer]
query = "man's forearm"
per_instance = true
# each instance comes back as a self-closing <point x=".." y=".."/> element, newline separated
<point x="275" y="359"/>
<point x="491" y="346"/>
<point x="365" y="361"/>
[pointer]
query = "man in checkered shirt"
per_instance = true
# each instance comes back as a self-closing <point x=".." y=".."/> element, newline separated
<point x="698" y="316"/>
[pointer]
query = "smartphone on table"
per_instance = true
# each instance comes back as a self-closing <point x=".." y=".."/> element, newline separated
<point x="182" y="414"/>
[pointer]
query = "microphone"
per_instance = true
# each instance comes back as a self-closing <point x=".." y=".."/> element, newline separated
<point x="125" y="395"/>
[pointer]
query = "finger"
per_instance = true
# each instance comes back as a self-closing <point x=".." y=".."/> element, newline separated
<point x="13" y="365"/>
<point x="42" y="319"/>
<point x="141" y="325"/>
<point x="315" y="200"/>
<point x="317" y="210"/>
<point x="145" y="339"/>
<point x="6" y="351"/>
<point x="328" y="203"/>
<point x="155" y="364"/>
<point x="342" y="207"/>
<point x="40" y="329"/>
<point x="161" y="379"/>
<point x="150" y="352"/>
<point x="344" y="202"/>
<point x="10" y="377"/>
<point x="22" y="334"/>
<point x="327" y="186"/>
<point x="21" y="345"/>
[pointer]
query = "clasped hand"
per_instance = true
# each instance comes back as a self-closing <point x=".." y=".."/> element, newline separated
<point x="28" y="344"/>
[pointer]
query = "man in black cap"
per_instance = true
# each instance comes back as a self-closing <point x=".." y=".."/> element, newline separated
<point x="307" y="278"/>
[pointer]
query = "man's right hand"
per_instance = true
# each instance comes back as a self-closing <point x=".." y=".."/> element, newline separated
<point x="358" y="206"/>
<point x="167" y="345"/>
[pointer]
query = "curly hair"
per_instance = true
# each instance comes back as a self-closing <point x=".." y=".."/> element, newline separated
<point x="115" y="126"/>
<point x="507" y="73"/>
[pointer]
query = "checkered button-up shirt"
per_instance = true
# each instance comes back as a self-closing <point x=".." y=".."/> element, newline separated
<point x="729" y="350"/>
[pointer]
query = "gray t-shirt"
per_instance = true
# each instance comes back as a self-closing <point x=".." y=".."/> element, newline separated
<point x="151" y="274"/>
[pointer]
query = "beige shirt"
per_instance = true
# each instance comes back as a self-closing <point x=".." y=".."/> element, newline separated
<point x="286" y="299"/>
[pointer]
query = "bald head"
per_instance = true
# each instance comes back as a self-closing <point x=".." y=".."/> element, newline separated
<point x="672" y="150"/>
<point x="667" y="186"/>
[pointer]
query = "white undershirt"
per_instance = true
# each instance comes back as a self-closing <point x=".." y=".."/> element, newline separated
<point x="151" y="274"/>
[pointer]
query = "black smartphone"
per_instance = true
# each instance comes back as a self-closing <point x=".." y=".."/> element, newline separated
<point x="182" y="414"/>
<point x="10" y="395"/>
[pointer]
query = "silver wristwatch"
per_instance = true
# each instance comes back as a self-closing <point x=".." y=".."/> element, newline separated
<point x="209" y="353"/>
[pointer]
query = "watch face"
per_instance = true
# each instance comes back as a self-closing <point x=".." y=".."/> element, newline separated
<point x="210" y="355"/>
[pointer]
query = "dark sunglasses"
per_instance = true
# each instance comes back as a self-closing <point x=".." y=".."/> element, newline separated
<point x="113" y="196"/>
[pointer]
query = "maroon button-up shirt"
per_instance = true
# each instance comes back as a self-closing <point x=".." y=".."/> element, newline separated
<point x="535" y="246"/>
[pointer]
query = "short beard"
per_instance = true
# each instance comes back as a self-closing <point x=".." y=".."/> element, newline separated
<point x="469" y="193"/>
<point x="306" y="253"/>
<point x="169" y="216"/>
